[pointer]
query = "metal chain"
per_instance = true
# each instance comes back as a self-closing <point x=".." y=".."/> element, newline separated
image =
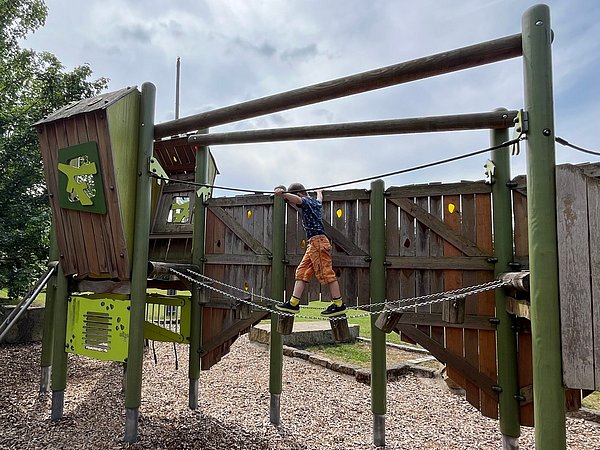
<point x="430" y="299"/>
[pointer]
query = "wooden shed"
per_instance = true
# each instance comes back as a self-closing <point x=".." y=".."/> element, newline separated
<point x="89" y="149"/>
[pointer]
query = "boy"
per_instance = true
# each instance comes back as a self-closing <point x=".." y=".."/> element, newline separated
<point x="317" y="258"/>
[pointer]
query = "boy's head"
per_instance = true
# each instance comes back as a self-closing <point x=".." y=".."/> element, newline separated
<point x="297" y="188"/>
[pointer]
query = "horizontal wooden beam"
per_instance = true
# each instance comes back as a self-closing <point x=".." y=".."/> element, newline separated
<point x="488" y="120"/>
<point x="439" y="262"/>
<point x="429" y="66"/>
<point x="442" y="354"/>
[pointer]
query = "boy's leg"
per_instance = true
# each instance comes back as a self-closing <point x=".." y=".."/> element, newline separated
<point x="293" y="304"/>
<point x="337" y="307"/>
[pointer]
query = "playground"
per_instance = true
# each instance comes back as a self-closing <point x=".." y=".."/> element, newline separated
<point x="322" y="408"/>
<point x="476" y="272"/>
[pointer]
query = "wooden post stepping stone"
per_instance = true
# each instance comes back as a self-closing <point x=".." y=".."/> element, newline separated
<point x="285" y="324"/>
<point x="339" y="329"/>
<point x="453" y="311"/>
<point x="387" y="320"/>
<point x="244" y="309"/>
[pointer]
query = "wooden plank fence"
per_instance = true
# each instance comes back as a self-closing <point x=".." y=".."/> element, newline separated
<point x="438" y="237"/>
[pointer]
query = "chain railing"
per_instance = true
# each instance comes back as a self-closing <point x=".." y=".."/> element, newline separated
<point x="403" y="304"/>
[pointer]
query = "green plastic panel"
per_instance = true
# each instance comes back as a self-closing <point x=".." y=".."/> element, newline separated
<point x="80" y="184"/>
<point x="98" y="327"/>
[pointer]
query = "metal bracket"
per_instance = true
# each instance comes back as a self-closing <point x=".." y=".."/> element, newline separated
<point x="156" y="169"/>
<point x="521" y="128"/>
<point x="521" y="122"/>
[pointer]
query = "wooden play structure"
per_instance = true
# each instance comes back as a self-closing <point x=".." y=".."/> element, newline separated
<point x="119" y="230"/>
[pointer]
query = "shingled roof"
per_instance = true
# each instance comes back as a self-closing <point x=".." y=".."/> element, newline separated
<point x="86" y="105"/>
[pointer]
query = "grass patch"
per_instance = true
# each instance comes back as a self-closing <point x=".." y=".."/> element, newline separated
<point x="358" y="354"/>
<point x="39" y="301"/>
<point x="592" y="401"/>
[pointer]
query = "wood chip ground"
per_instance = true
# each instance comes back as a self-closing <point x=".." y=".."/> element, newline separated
<point x="320" y="409"/>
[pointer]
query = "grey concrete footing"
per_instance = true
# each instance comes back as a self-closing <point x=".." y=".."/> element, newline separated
<point x="45" y="379"/>
<point x="193" y="394"/>
<point x="58" y="401"/>
<point x="275" y="409"/>
<point x="378" y="430"/>
<point x="131" y="425"/>
<point x="304" y="334"/>
<point x="510" y="443"/>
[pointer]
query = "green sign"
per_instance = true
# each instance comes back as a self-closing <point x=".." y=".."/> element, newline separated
<point x="80" y="184"/>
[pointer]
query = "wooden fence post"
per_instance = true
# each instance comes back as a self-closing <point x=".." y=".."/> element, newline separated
<point x="505" y="334"/>
<point x="135" y="356"/>
<point x="277" y="290"/>
<point x="378" y="295"/>
<point x="548" y="392"/>
<point x="199" y="294"/>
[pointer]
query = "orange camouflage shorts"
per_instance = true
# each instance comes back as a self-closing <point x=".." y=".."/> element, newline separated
<point x="317" y="261"/>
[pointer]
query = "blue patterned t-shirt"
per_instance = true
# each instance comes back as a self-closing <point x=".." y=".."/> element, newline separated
<point x="312" y="217"/>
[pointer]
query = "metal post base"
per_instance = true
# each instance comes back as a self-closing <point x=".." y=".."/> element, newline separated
<point x="45" y="379"/>
<point x="378" y="430"/>
<point x="58" y="401"/>
<point x="275" y="409"/>
<point x="131" y="425"/>
<point x="193" y="394"/>
<point x="510" y="443"/>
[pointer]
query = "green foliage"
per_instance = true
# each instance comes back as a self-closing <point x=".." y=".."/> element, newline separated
<point x="32" y="85"/>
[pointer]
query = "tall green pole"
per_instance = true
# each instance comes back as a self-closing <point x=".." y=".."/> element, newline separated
<point x="198" y="257"/>
<point x="48" y="330"/>
<point x="277" y="290"/>
<point x="139" y="272"/>
<point x="548" y="392"/>
<point x="59" y="353"/>
<point x="378" y="295"/>
<point x="503" y="250"/>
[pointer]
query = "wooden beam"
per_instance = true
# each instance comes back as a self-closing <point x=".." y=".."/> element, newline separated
<point x="429" y="66"/>
<point x="459" y="122"/>
<point x="471" y="322"/>
<point x="463" y="244"/>
<point x="232" y="331"/>
<point x="472" y="373"/>
<point x="439" y="262"/>
<point x="434" y="189"/>
<point x="240" y="231"/>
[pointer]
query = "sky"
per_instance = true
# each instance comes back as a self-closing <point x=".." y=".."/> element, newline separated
<point x="237" y="50"/>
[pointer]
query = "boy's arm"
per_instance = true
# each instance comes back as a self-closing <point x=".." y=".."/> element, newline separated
<point x="320" y="195"/>
<point x="292" y="198"/>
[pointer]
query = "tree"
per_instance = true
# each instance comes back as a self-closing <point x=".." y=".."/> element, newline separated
<point x="32" y="85"/>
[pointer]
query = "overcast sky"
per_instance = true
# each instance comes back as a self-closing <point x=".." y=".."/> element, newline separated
<point x="237" y="50"/>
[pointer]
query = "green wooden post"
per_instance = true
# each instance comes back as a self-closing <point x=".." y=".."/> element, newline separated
<point x="198" y="258"/>
<point x="548" y="392"/>
<point x="59" y="353"/>
<point x="139" y="272"/>
<point x="378" y="294"/>
<point x="503" y="250"/>
<point x="277" y="290"/>
<point x="48" y="329"/>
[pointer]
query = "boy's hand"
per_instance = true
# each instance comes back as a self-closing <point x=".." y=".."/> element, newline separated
<point x="279" y="192"/>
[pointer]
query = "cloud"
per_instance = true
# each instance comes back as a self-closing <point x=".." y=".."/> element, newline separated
<point x="233" y="51"/>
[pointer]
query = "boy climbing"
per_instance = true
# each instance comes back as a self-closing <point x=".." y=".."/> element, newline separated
<point x="317" y="258"/>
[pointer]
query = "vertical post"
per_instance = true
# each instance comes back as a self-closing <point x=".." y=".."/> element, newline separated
<point x="505" y="335"/>
<point x="59" y="353"/>
<point x="135" y="355"/>
<point x="198" y="257"/>
<point x="277" y="289"/>
<point x="378" y="294"/>
<point x="548" y="392"/>
<point x="48" y="330"/>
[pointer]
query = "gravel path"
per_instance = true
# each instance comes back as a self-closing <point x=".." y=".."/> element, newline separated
<point x="320" y="409"/>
